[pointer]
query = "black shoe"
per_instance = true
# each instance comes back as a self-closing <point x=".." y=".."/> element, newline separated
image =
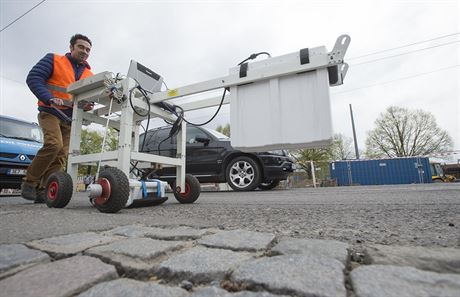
<point x="41" y="196"/>
<point x="28" y="191"/>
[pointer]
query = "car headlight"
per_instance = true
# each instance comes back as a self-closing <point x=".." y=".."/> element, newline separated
<point x="277" y="152"/>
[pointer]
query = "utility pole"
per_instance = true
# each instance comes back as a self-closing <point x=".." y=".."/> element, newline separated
<point x="354" y="133"/>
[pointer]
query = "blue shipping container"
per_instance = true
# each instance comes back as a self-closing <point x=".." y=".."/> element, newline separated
<point x="411" y="170"/>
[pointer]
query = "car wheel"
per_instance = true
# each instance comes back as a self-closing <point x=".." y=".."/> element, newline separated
<point x="269" y="185"/>
<point x="243" y="174"/>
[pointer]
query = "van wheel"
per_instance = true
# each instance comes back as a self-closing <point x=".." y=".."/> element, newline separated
<point x="269" y="185"/>
<point x="243" y="174"/>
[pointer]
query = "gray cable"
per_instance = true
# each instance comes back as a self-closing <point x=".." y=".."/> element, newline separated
<point x="406" y="53"/>
<point x="395" y="80"/>
<point x="402" y="46"/>
<point x="17" y="19"/>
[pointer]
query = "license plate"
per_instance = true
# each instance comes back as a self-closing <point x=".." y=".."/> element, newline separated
<point x="15" y="171"/>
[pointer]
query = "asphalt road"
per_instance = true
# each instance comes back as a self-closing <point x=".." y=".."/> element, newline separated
<point x="427" y="215"/>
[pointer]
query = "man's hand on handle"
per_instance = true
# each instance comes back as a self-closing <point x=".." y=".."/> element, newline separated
<point x="57" y="102"/>
<point x="85" y="105"/>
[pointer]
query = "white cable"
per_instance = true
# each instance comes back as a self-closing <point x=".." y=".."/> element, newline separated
<point x="103" y="141"/>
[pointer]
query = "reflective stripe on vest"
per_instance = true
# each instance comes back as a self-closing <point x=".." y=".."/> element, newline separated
<point x="56" y="88"/>
<point x="63" y="75"/>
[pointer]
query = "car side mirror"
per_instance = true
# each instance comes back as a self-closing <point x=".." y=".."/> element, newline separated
<point x="203" y="140"/>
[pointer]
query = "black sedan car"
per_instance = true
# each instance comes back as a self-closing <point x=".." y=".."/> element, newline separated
<point x="211" y="159"/>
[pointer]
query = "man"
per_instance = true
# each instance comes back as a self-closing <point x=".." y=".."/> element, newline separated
<point x="87" y="181"/>
<point x="48" y="81"/>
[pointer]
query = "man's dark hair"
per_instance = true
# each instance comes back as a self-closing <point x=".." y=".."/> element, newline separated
<point x="74" y="39"/>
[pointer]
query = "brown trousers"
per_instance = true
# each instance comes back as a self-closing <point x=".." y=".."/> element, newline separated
<point x="53" y="155"/>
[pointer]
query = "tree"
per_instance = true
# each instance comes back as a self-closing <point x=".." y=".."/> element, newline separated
<point x="400" y="132"/>
<point x="304" y="156"/>
<point x="341" y="148"/>
<point x="224" y="129"/>
<point x="91" y="142"/>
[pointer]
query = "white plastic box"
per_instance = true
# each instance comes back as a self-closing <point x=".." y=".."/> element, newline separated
<point x="286" y="112"/>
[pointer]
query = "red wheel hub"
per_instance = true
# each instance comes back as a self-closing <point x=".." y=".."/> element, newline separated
<point x="106" y="191"/>
<point x="186" y="192"/>
<point x="52" y="192"/>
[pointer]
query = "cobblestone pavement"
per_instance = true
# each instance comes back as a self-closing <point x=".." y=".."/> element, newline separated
<point x="344" y="241"/>
<point x="142" y="260"/>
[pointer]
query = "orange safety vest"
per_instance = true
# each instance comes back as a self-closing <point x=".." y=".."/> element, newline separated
<point x="63" y="75"/>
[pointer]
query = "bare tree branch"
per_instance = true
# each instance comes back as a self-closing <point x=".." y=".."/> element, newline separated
<point x="400" y="132"/>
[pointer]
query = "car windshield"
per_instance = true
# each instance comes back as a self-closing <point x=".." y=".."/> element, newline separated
<point x="20" y="130"/>
<point x="218" y="135"/>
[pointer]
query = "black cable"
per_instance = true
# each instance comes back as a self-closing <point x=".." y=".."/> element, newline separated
<point x="134" y="166"/>
<point x="166" y="107"/>
<point x="158" y="147"/>
<point x="116" y="77"/>
<point x="143" y="92"/>
<point x="175" y="126"/>
<point x="215" y="114"/>
<point x="253" y="56"/>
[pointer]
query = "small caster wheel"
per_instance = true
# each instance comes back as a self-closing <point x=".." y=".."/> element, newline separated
<point x="192" y="190"/>
<point x="115" y="191"/>
<point x="59" y="189"/>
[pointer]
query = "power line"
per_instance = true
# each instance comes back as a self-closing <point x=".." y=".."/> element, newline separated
<point x="402" y="46"/>
<point x="406" y="53"/>
<point x="395" y="80"/>
<point x="16" y="81"/>
<point x="17" y="19"/>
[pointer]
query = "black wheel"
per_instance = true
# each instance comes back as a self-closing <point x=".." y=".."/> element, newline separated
<point x="115" y="190"/>
<point x="192" y="190"/>
<point x="269" y="185"/>
<point x="59" y="189"/>
<point x="243" y="174"/>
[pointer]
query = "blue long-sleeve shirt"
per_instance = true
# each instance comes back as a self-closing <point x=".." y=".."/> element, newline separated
<point x="39" y="75"/>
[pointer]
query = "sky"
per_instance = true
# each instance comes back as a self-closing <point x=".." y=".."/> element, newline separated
<point x="402" y="53"/>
